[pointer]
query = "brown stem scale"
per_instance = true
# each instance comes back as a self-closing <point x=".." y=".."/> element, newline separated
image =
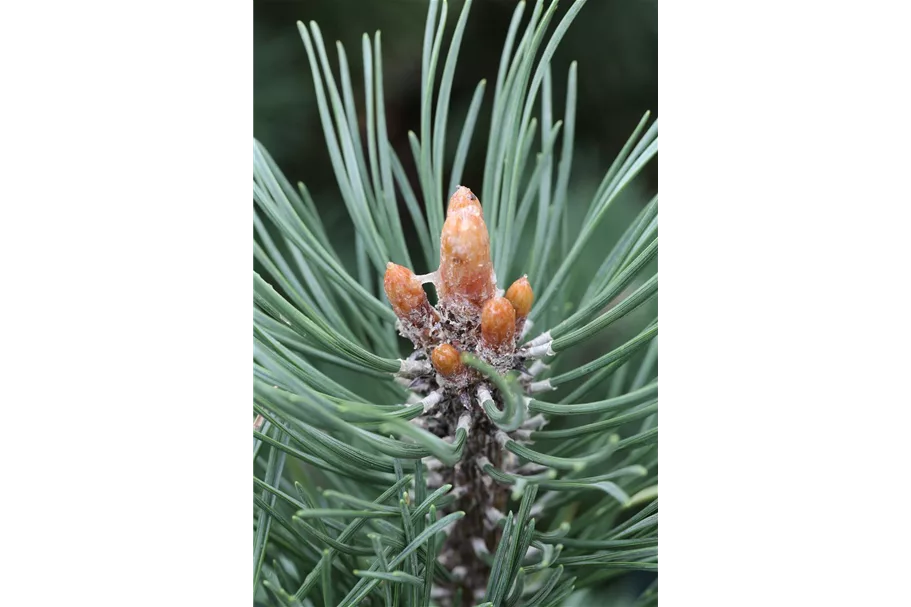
<point x="469" y="317"/>
<point x="476" y="493"/>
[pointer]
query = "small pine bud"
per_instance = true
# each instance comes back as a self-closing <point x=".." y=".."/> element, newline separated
<point x="446" y="360"/>
<point x="404" y="290"/>
<point x="498" y="324"/>
<point x="465" y="267"/>
<point x="521" y="296"/>
<point x="464" y="199"/>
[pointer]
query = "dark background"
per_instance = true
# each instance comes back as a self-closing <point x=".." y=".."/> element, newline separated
<point x="614" y="41"/>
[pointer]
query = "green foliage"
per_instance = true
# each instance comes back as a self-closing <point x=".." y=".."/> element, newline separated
<point x="343" y="510"/>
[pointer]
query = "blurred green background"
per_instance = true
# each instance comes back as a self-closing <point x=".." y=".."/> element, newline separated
<point x="614" y="41"/>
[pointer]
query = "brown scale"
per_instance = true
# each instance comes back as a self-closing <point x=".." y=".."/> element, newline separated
<point x="469" y="317"/>
<point x="458" y="549"/>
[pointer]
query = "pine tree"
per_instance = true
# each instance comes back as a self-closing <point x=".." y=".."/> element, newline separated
<point x="464" y="451"/>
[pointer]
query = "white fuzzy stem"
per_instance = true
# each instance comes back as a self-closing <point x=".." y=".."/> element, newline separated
<point x="540" y="386"/>
<point x="431" y="400"/>
<point x="539" y="351"/>
<point x="537" y="368"/>
<point x="483" y="396"/>
<point x="413" y="368"/>
<point x="535" y="423"/>
<point x="543" y="338"/>
<point x="521" y="435"/>
<point x="425" y="278"/>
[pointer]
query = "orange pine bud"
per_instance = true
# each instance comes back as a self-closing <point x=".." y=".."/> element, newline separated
<point x="446" y="359"/>
<point x="521" y="296"/>
<point x="464" y="199"/>
<point x="498" y="323"/>
<point x="404" y="290"/>
<point x="465" y="267"/>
